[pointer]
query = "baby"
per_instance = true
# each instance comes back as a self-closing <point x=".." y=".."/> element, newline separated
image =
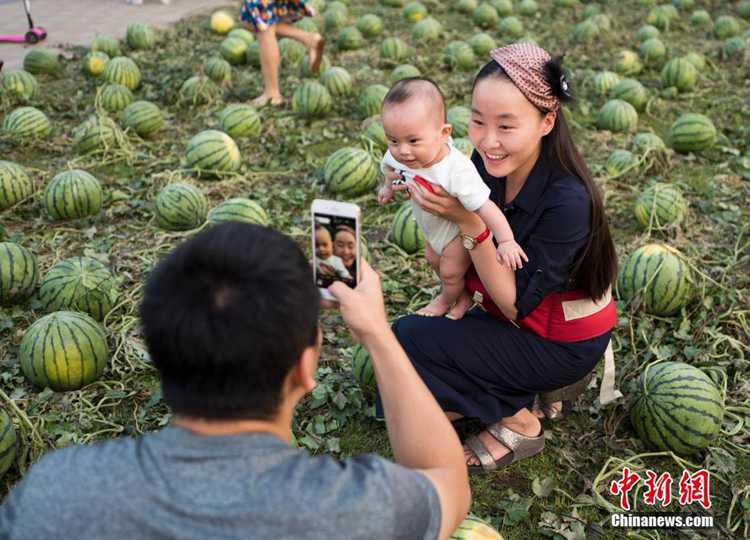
<point x="327" y="262"/>
<point x="420" y="148"/>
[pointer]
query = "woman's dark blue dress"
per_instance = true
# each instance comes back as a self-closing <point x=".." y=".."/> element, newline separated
<point x="484" y="368"/>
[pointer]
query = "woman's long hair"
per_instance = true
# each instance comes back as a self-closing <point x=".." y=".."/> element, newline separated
<point x="595" y="270"/>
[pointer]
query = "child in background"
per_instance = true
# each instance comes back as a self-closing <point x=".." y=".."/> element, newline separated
<point x="419" y="146"/>
<point x="328" y="263"/>
<point x="268" y="18"/>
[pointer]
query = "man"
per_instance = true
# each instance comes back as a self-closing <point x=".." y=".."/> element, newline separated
<point x="230" y="321"/>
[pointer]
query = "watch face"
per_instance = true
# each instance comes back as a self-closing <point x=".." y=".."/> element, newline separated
<point x="468" y="242"/>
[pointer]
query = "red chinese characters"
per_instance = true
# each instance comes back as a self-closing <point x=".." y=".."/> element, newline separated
<point x="623" y="487"/>
<point x="658" y="488"/>
<point x="696" y="488"/>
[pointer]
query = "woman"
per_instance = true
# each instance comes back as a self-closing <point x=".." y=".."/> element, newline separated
<point x="537" y="329"/>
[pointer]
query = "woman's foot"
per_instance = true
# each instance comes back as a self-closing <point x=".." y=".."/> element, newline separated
<point x="556" y="406"/>
<point x="460" y="308"/>
<point x="263" y="100"/>
<point x="529" y="425"/>
<point x="315" y="51"/>
<point x="437" y="308"/>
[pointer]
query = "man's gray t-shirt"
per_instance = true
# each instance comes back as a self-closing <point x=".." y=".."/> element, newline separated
<point x="176" y="484"/>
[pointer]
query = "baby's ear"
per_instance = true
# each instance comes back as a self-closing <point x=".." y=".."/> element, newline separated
<point x="447" y="130"/>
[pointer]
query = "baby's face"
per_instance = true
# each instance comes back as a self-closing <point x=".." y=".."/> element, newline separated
<point x="323" y="244"/>
<point x="415" y="135"/>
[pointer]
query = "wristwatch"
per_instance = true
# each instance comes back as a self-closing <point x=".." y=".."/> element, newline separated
<point x="470" y="242"/>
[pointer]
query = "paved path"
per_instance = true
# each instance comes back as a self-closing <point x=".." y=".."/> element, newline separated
<point x="77" y="22"/>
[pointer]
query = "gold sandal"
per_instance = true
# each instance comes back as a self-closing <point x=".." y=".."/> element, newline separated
<point x="520" y="446"/>
<point x="566" y="394"/>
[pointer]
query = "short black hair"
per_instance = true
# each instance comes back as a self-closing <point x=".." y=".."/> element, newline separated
<point x="226" y="316"/>
<point x="405" y="89"/>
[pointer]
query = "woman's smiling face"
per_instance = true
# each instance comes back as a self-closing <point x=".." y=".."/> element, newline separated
<point x="506" y="128"/>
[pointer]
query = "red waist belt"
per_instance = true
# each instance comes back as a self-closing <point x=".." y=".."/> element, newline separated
<point x="563" y="316"/>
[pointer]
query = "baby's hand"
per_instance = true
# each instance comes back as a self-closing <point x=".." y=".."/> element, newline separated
<point x="511" y="255"/>
<point x="385" y="195"/>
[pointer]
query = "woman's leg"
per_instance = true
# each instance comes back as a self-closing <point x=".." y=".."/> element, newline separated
<point x="313" y="41"/>
<point x="269" y="65"/>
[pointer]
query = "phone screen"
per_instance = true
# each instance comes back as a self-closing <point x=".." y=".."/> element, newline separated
<point x="335" y="244"/>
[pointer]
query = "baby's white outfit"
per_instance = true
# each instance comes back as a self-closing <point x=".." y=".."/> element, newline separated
<point x="456" y="174"/>
<point x="337" y="264"/>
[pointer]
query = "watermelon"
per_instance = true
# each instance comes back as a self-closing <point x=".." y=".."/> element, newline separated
<point x="459" y="55"/>
<point x="619" y="162"/>
<point x="115" y="97"/>
<point x="143" y="117"/>
<point x="350" y="172"/>
<point x="474" y="528"/>
<point x="304" y="67"/>
<point x="234" y="50"/>
<point x="79" y="284"/>
<point x="697" y="59"/>
<point x="252" y="56"/>
<point x="311" y="100"/>
<point x="464" y="145"/>
<point x="334" y="19"/>
<point x="527" y="8"/>
<point x="371" y="99"/>
<point x="337" y="81"/>
<point x="647" y="32"/>
<point x="108" y="45"/>
<point x="627" y="63"/>
<point x="482" y="44"/>
<point x="15" y="184"/>
<point x="392" y="3"/>
<point x="97" y="134"/>
<point x="485" y="16"/>
<point x="8" y="443"/>
<point x="240" y="121"/>
<point x="65" y="350"/>
<point x="199" y="90"/>
<point x="19" y="273"/>
<point x="211" y="152"/>
<point x="94" y="63"/>
<point x="242" y="34"/>
<point x="660" y="17"/>
<point x="512" y="27"/>
<point x="692" y="132"/>
<point x="645" y="142"/>
<point x="140" y="36"/>
<point x="504" y="8"/>
<point x="733" y="47"/>
<point x="653" y="51"/>
<point x="41" y="61"/>
<point x="659" y="274"/>
<point x="676" y="407"/>
<point x="122" y="70"/>
<point x="376" y="135"/>
<point x="426" y="30"/>
<point x="744" y="9"/>
<point x="602" y="21"/>
<point x="414" y="12"/>
<point x="180" y="207"/>
<point x="617" y="115"/>
<point x="362" y="369"/>
<point x="370" y="25"/>
<point x="632" y="91"/>
<point x="350" y="39"/>
<point x="221" y="22"/>
<point x="405" y="232"/>
<point x="604" y="81"/>
<point x="26" y="123"/>
<point x="724" y="27"/>
<point x="309" y="25"/>
<point x="701" y="18"/>
<point x="679" y="73"/>
<point x="466" y="6"/>
<point x="404" y="71"/>
<point x="585" y="31"/>
<point x="660" y="205"/>
<point x="394" y="49"/>
<point x="238" y="209"/>
<point x="292" y="51"/>
<point x="459" y="117"/>
<point x="20" y="85"/>
<point x="337" y="5"/>
<point x="590" y="10"/>
<point x="73" y="194"/>
<point x="683" y="4"/>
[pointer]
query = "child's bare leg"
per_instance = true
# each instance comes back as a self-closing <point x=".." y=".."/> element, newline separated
<point x="432" y="257"/>
<point x="269" y="65"/>
<point x="313" y="41"/>
<point x="453" y="263"/>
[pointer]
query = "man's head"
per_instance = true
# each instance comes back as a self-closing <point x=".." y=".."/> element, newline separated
<point x="414" y="121"/>
<point x="229" y="318"/>
<point x="323" y="242"/>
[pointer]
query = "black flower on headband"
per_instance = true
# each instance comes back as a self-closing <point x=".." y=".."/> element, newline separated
<point x="555" y="75"/>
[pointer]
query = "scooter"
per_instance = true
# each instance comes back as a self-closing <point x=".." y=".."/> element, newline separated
<point x="34" y="35"/>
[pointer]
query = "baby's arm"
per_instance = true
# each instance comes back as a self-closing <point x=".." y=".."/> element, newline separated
<point x="508" y="251"/>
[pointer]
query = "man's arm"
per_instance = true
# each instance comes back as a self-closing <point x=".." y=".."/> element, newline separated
<point x="421" y="436"/>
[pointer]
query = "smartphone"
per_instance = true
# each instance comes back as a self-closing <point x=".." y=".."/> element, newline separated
<point x="335" y="244"/>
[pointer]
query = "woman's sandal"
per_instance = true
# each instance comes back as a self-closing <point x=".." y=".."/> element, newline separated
<point x="566" y="394"/>
<point x="520" y="446"/>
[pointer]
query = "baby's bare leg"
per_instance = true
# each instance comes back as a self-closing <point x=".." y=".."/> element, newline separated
<point x="432" y="257"/>
<point x="452" y="265"/>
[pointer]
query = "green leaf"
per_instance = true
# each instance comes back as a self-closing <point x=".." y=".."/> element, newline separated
<point x="542" y="488"/>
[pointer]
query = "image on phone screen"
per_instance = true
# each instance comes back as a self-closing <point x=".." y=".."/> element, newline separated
<point x="335" y="245"/>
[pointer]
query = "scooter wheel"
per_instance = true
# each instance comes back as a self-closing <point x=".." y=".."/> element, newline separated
<point x="31" y="37"/>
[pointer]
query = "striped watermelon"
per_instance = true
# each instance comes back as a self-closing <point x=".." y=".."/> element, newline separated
<point x="79" y="284"/>
<point x="8" y="443"/>
<point x="679" y="73"/>
<point x="414" y="12"/>
<point x="482" y="43"/>
<point x="404" y="71"/>
<point x="253" y="54"/>
<point x="199" y="90"/>
<point x="459" y="118"/>
<point x="350" y="39"/>
<point x="65" y="350"/>
<point x="512" y="27"/>
<point x="392" y="3"/>
<point x="427" y="30"/>
<point x="94" y="63"/>
<point x="692" y="132"/>
<point x="337" y="81"/>
<point x="108" y="45"/>
<point x="632" y="91"/>
<point x="371" y="99"/>
<point x="733" y="47"/>
<point x="239" y="121"/>
<point x="653" y="51"/>
<point x="585" y="31"/>
<point x="627" y="63"/>
<point x="604" y="81"/>
<point x="238" y="209"/>
<point x="466" y="6"/>
<point x="394" y="49"/>
<point x="19" y="85"/>
<point x="362" y="369"/>
<point x="649" y="142"/>
<point x="218" y="70"/>
<point x="334" y="19"/>
<point x="744" y="9"/>
<point x="619" y="162"/>
<point x="459" y="55"/>
<point x="234" y="50"/>
<point x="659" y="274"/>
<point x="308" y="24"/>
<point x="660" y="205"/>
<point x="527" y="8"/>
<point x="140" y="36"/>
<point x="211" y="152"/>
<point x="15" y="184"/>
<point x="242" y="34"/>
<point x="143" y="117"/>
<point x="97" y="134"/>
<point x="311" y="100"/>
<point x="72" y="195"/>
<point x="677" y="407"/>
<point x="370" y="25"/>
<point x="405" y="231"/>
<point x="292" y="51"/>
<point x="602" y="21"/>
<point x="375" y="134"/>
<point x="725" y="26"/>
<point x="350" y="171"/>
<point x="504" y="8"/>
<point x="115" y="97"/>
<point x="464" y="146"/>
<point x="19" y="273"/>
<point x="660" y="17"/>
<point x="485" y="16"/>
<point x="701" y="18"/>
<point x="180" y="207"/>
<point x="617" y="115"/>
<point x="304" y="67"/>
<point x="122" y="70"/>
<point x="27" y="123"/>
<point x="41" y="61"/>
<point x="647" y="32"/>
<point x="221" y="22"/>
<point x="474" y="528"/>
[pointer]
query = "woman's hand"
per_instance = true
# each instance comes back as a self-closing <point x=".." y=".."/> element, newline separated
<point x="441" y="204"/>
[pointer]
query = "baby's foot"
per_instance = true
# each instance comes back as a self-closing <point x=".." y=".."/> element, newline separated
<point x="437" y="308"/>
<point x="461" y="306"/>
<point x="315" y="52"/>
<point x="263" y="99"/>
